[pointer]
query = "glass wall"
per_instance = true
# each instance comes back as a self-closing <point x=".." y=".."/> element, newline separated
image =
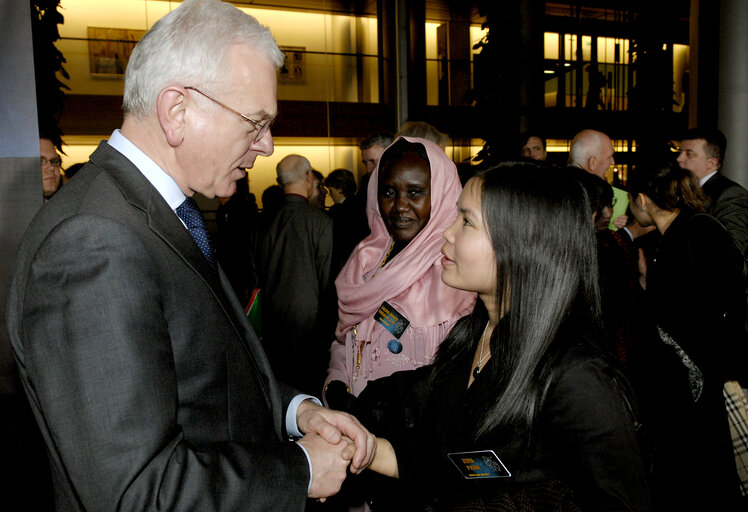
<point x="330" y="57"/>
<point x="432" y="59"/>
<point x="580" y="75"/>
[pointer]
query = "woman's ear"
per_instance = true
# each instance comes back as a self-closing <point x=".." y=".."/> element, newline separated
<point x="171" y="109"/>
<point x="642" y="200"/>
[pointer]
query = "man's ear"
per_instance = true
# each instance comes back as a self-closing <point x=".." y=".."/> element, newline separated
<point x="712" y="164"/>
<point x="592" y="162"/>
<point x="172" y="113"/>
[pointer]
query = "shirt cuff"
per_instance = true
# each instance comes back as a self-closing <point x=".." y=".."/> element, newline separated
<point x="309" y="463"/>
<point x="292" y="427"/>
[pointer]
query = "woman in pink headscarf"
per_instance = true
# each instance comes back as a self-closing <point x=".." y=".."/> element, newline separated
<point x="394" y="309"/>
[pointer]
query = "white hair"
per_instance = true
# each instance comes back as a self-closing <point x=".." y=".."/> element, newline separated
<point x="292" y="169"/>
<point x="586" y="144"/>
<point x="188" y="46"/>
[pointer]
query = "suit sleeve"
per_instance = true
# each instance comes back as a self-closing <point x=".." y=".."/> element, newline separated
<point x="732" y="211"/>
<point x="100" y="364"/>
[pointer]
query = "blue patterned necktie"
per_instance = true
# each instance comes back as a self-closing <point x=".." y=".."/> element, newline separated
<point x="191" y="216"/>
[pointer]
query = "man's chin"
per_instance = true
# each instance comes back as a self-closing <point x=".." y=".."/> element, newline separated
<point x="229" y="191"/>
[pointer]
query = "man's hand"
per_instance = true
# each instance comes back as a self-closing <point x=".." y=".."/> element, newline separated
<point x="329" y="464"/>
<point x="332" y="426"/>
<point x="638" y="230"/>
<point x="620" y="221"/>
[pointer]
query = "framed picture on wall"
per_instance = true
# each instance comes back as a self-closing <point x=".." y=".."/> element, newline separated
<point x="109" y="50"/>
<point x="293" y="69"/>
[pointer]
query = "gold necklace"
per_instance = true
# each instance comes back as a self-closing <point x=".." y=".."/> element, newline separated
<point x="384" y="261"/>
<point x="481" y="357"/>
<point x="387" y="256"/>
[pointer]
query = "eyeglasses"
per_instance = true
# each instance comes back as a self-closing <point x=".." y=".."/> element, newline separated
<point x="262" y="129"/>
<point x="55" y="162"/>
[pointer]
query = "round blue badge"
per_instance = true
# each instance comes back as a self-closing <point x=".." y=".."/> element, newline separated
<point x="395" y="346"/>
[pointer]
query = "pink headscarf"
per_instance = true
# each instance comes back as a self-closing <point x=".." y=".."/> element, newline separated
<point x="416" y="269"/>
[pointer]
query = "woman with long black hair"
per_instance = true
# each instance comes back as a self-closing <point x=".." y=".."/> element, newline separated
<point x="523" y="409"/>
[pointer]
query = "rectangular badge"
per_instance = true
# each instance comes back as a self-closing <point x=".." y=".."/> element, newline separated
<point x="389" y="318"/>
<point x="481" y="464"/>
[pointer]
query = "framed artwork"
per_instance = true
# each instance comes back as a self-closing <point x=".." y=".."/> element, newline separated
<point x="109" y="50"/>
<point x="293" y="69"/>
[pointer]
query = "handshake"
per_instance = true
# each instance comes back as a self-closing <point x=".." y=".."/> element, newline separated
<point x="334" y="440"/>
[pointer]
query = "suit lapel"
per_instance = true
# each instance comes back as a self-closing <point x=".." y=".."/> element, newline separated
<point x="164" y="222"/>
<point x="253" y="345"/>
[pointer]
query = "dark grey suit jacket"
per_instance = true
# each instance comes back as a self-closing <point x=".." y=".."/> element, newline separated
<point x="728" y="203"/>
<point x="299" y="309"/>
<point x="150" y="388"/>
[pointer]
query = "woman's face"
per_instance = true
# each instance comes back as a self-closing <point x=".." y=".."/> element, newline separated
<point x="405" y="196"/>
<point x="337" y="194"/>
<point x="469" y="262"/>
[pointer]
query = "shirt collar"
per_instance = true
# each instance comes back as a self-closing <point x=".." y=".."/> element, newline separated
<point x="298" y="195"/>
<point x="706" y="178"/>
<point x="164" y="184"/>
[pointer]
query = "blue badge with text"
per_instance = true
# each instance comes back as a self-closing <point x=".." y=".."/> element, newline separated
<point x="389" y="318"/>
<point x="482" y="464"/>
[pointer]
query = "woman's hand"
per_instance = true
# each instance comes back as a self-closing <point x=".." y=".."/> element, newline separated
<point x="333" y="426"/>
<point x="385" y="459"/>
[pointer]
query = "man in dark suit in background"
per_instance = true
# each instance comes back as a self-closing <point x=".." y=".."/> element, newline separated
<point x="149" y="385"/>
<point x="294" y="269"/>
<point x="702" y="152"/>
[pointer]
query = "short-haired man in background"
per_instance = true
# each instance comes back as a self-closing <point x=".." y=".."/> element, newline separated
<point x="51" y="164"/>
<point x="702" y="152"/>
<point x="534" y="147"/>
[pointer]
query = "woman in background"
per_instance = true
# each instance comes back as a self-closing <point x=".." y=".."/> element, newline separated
<point x="696" y="299"/>
<point x="394" y="310"/>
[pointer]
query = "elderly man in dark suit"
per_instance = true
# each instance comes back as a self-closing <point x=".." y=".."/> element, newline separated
<point x="294" y="268"/>
<point x="149" y="385"/>
<point x="702" y="152"/>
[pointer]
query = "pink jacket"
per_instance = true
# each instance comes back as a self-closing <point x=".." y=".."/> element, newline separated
<point x="410" y="282"/>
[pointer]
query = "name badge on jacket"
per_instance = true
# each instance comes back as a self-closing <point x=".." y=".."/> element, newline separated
<point x="480" y="464"/>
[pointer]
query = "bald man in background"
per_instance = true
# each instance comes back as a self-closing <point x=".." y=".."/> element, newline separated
<point x="593" y="151"/>
<point x="294" y="269"/>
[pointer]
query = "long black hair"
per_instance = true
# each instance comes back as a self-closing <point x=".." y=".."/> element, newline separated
<point x="546" y="267"/>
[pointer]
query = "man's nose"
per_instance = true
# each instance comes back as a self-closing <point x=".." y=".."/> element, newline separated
<point x="264" y="146"/>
